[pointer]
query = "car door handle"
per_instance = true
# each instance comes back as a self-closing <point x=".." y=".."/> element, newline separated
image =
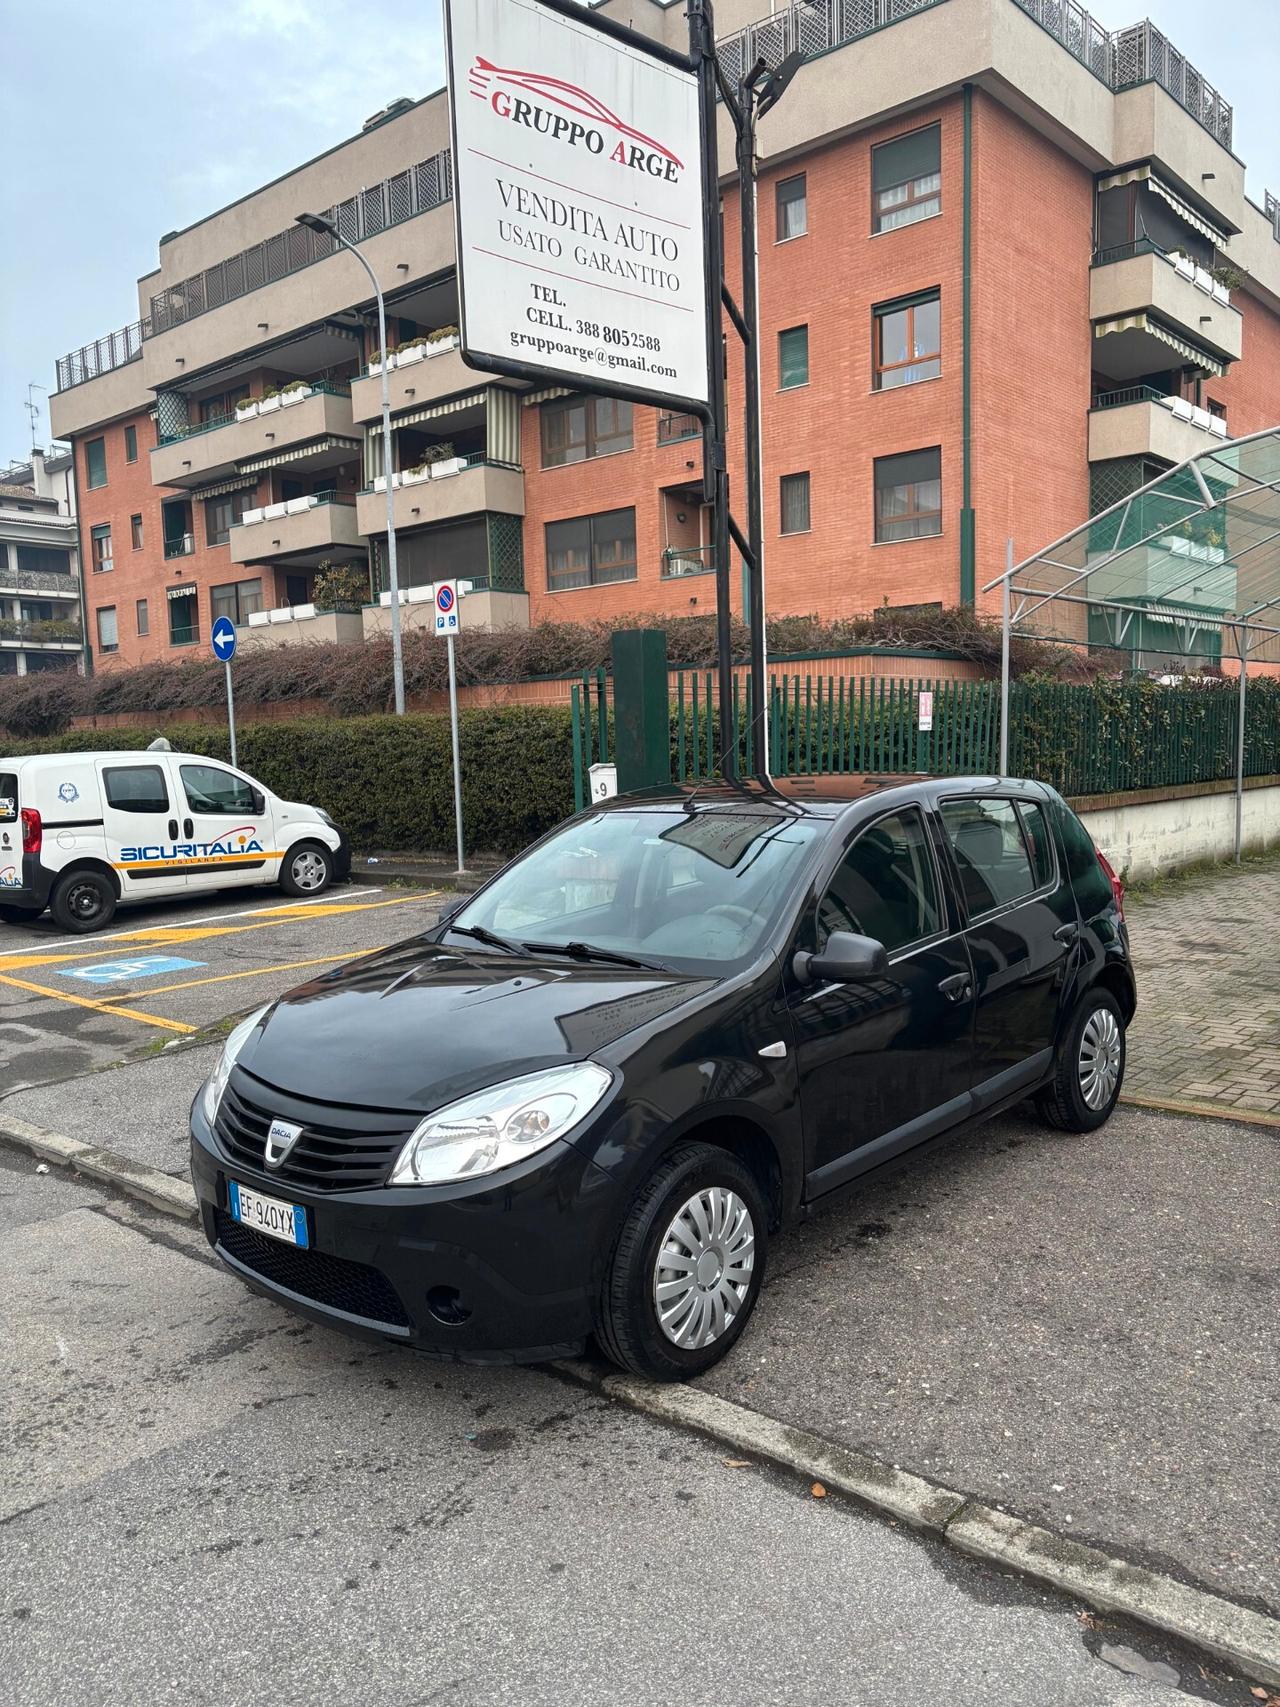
<point x="173" y="829"/>
<point x="958" y="987"/>
<point x="188" y="828"/>
<point x="1067" y="934"/>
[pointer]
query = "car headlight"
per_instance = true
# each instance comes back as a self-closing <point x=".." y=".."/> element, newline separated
<point x="324" y="817"/>
<point x="217" y="1081"/>
<point x="495" y="1127"/>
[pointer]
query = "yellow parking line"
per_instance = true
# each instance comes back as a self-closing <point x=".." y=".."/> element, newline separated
<point x="229" y="977"/>
<point x="97" y="1007"/>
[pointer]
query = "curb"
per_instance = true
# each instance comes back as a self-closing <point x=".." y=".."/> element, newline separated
<point x="108" y="1167"/>
<point x="1211" y="1110"/>
<point x="1248" y="1640"/>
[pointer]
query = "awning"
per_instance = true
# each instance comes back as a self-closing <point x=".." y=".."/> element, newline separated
<point x="297" y="453"/>
<point x="546" y="396"/>
<point x="1195" y="354"/>
<point x="220" y="488"/>
<point x="185" y="592"/>
<point x="433" y="411"/>
<point x="1183" y="209"/>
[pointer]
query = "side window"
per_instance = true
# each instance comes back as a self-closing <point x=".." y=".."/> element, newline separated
<point x="211" y="790"/>
<point x="1036" y="828"/>
<point x="136" y="788"/>
<point x="885" y="886"/>
<point x="1090" y="882"/>
<point x="987" y="840"/>
<point x="8" y="797"/>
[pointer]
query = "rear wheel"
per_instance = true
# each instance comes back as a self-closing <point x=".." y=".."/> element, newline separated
<point x="82" y="901"/>
<point x="687" y="1268"/>
<point x="306" y="869"/>
<point x="1090" y="1067"/>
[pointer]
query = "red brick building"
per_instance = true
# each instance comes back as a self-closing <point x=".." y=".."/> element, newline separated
<point x="1005" y="278"/>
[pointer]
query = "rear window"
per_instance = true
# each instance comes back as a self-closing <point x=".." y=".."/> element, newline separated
<point x="1088" y="879"/>
<point x="8" y="797"/>
<point x="136" y="788"/>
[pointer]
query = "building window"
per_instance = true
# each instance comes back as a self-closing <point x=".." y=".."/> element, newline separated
<point x="908" y="341"/>
<point x="793" y="357"/>
<point x="237" y="599"/>
<point x="135" y="531"/>
<point x="906" y="179"/>
<point x="144" y="620"/>
<point x="590" y="551"/>
<point x="221" y="513"/>
<point x="100" y="538"/>
<point x="909" y="495"/>
<point x="44" y="559"/>
<point x="575" y="428"/>
<point x="95" y="462"/>
<point x="184" y="617"/>
<point x="108" y="638"/>
<point x="131" y="444"/>
<point x="794" y="490"/>
<point x="792" y="208"/>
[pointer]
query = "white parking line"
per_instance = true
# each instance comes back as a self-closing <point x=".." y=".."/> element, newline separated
<point x="182" y="921"/>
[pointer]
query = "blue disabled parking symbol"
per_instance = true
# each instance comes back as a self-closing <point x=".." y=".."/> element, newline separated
<point x="222" y="637"/>
<point x="125" y="971"/>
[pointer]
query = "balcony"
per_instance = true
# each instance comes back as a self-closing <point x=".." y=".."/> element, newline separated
<point x="1125" y="284"/>
<point x="304" y="530"/>
<point x="681" y="560"/>
<point x="1140" y="421"/>
<point x="417" y="375"/>
<point x="181" y="545"/>
<point x="43" y="581"/>
<point x="58" y="635"/>
<point x="675" y="429"/>
<point x="299" y="625"/>
<point x="462" y="486"/>
<point x="296" y="417"/>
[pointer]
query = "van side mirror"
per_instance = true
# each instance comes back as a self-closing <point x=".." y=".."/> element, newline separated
<point x="259" y="803"/>
<point x="846" y="958"/>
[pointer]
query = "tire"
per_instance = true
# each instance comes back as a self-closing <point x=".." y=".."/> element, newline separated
<point x="628" y="1325"/>
<point x="306" y="869"/>
<point x="1089" y="1070"/>
<point x="83" y="901"/>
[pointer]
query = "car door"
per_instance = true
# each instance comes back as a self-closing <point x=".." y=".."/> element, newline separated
<point x="1022" y="927"/>
<point x="141" y="824"/>
<point x="227" y="820"/>
<point x="884" y="1063"/>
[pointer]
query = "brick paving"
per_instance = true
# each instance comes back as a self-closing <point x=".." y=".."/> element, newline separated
<point x="1207" y="952"/>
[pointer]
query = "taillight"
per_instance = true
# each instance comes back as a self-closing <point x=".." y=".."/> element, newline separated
<point x="1117" y="888"/>
<point x="32" y="830"/>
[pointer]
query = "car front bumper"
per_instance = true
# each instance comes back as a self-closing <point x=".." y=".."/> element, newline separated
<point x="500" y="1271"/>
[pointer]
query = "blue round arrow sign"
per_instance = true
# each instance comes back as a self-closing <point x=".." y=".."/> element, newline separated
<point x="222" y="637"/>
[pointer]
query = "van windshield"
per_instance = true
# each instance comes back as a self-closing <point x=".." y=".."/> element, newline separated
<point x="691" y="889"/>
<point x="8" y="797"/>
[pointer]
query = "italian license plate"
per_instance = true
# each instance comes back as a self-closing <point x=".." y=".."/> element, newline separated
<point x="284" y="1221"/>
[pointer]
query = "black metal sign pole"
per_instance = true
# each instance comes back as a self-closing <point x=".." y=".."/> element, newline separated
<point x="750" y="333"/>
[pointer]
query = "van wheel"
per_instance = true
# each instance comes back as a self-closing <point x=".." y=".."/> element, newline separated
<point x="82" y="901"/>
<point x="306" y="869"/>
<point x="687" y="1268"/>
<point x="1089" y="1070"/>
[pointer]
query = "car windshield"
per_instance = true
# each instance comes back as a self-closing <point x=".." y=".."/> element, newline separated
<point x="693" y="889"/>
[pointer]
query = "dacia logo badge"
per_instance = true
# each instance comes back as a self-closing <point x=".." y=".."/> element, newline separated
<point x="281" y="1137"/>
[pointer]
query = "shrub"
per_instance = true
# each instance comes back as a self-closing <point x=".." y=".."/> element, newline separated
<point x="340" y="586"/>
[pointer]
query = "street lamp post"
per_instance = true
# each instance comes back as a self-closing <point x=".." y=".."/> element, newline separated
<point x="327" y="228"/>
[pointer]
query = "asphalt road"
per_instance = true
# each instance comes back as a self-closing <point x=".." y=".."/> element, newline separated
<point x="207" y="1501"/>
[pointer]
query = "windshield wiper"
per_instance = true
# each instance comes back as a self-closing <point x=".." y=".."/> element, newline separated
<point x="587" y="951"/>
<point x="490" y="938"/>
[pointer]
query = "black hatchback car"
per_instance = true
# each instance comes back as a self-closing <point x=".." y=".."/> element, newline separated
<point x="581" y="1104"/>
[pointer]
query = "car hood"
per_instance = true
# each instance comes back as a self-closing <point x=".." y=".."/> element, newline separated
<point x="414" y="1026"/>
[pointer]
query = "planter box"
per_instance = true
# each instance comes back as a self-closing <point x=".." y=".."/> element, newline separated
<point x="405" y="357"/>
<point x="450" y="465"/>
<point x="267" y="404"/>
<point x="246" y="411"/>
<point x="1221" y="294"/>
<point x="441" y="346"/>
<point x="273" y="512"/>
<point x="259" y="618"/>
<point x="416" y="477"/>
<point x="250" y="517"/>
<point x="376" y="368"/>
<point x="294" y="396"/>
<point x="297" y="506"/>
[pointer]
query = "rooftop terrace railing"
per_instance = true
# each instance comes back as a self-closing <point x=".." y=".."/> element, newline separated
<point x="102" y="356"/>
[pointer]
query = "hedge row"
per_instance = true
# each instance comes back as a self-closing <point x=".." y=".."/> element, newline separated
<point x="388" y="781"/>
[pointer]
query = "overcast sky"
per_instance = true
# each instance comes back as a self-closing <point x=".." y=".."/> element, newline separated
<point x="125" y="121"/>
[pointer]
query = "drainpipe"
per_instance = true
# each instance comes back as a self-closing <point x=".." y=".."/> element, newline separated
<point x="81" y="561"/>
<point x="968" y="570"/>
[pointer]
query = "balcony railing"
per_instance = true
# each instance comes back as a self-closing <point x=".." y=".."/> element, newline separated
<point x="104" y="354"/>
<point x="442" y="470"/>
<point x="35" y="632"/>
<point x="183" y="546"/>
<point x="416" y="190"/>
<point x="811" y="27"/>
<point x="1127" y="394"/>
<point x="673" y="428"/>
<point x="678" y="560"/>
<point x="1272" y="211"/>
<point x="186" y="635"/>
<point x="1126" y="251"/>
<point x="1181" y="408"/>
<point x="40" y="581"/>
<point x="196" y="427"/>
<point x="292" y="507"/>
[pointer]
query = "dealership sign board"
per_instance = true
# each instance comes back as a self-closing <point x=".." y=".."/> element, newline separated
<point x="578" y="191"/>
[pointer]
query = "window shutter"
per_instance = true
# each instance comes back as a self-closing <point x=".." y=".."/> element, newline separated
<point x="906" y="158"/>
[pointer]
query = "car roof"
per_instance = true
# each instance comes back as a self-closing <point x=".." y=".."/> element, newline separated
<point x="105" y="753"/>
<point x="822" y="796"/>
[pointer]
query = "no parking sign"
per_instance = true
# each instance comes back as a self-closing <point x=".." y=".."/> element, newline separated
<point x="446" y="607"/>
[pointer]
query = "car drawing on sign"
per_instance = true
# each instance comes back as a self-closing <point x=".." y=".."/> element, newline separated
<point x="580" y="1106"/>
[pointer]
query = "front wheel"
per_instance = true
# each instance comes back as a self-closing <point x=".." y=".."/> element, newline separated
<point x="306" y="869"/>
<point x="687" y="1267"/>
<point x="1089" y="1070"/>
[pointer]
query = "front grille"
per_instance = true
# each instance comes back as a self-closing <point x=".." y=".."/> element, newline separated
<point x="325" y="1158"/>
<point x="328" y="1280"/>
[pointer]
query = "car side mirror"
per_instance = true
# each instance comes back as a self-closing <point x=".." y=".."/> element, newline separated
<point x="846" y="958"/>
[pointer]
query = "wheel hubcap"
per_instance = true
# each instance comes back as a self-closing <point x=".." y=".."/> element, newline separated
<point x="308" y="871"/>
<point x="84" y="901"/>
<point x="703" y="1271"/>
<point x="1099" y="1065"/>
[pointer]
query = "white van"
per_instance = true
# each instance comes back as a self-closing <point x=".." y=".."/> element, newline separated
<point x="80" y="832"/>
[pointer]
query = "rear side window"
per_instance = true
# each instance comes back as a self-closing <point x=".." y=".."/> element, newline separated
<point x="1036" y="827"/>
<point x="987" y="840"/>
<point x="884" y="886"/>
<point x="209" y="789"/>
<point x="8" y="797"/>
<point x="1088" y="879"/>
<point x="136" y="788"/>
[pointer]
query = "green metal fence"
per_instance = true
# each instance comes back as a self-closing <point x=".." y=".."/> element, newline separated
<point x="1107" y="737"/>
